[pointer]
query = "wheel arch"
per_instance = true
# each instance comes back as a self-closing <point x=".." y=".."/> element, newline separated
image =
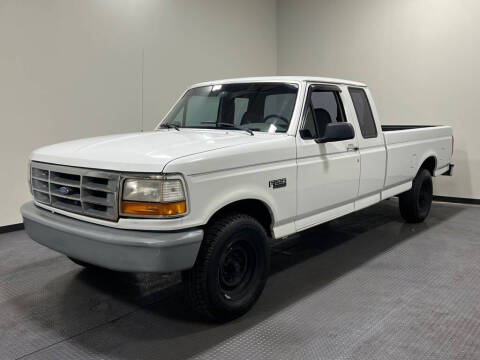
<point x="256" y="208"/>
<point x="429" y="163"/>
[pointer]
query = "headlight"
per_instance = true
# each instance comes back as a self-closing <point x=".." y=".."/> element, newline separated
<point x="153" y="197"/>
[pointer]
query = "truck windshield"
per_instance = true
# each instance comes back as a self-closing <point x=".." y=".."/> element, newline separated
<point x="265" y="107"/>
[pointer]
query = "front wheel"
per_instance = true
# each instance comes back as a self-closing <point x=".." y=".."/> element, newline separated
<point x="415" y="204"/>
<point x="231" y="268"/>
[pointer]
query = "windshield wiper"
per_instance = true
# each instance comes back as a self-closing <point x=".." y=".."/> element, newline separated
<point x="170" y="126"/>
<point x="233" y="126"/>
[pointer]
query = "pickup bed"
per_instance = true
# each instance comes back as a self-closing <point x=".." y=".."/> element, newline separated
<point x="233" y="164"/>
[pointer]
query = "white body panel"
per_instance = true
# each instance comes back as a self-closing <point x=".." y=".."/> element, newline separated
<point x="240" y="173"/>
<point x="322" y="184"/>
<point x="408" y="149"/>
<point x="324" y="181"/>
<point x="139" y="152"/>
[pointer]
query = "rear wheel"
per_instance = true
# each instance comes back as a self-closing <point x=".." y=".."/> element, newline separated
<point x="231" y="268"/>
<point x="415" y="204"/>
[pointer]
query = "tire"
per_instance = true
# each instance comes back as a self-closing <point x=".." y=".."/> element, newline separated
<point x="415" y="204"/>
<point x="230" y="270"/>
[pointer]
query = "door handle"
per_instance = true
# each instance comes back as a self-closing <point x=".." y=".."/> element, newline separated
<point x="351" y="147"/>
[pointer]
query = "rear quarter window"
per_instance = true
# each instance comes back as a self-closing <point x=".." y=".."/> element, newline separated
<point x="364" y="113"/>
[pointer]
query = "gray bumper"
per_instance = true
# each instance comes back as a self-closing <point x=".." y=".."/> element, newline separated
<point x="116" y="249"/>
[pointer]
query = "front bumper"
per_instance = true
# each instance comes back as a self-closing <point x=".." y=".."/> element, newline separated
<point x="115" y="249"/>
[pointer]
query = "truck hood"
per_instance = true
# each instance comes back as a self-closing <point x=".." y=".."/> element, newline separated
<point x="139" y="152"/>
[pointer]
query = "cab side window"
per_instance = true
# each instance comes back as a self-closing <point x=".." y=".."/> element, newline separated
<point x="323" y="107"/>
<point x="309" y="130"/>
<point x="364" y="113"/>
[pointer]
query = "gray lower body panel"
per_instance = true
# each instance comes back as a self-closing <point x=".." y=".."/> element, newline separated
<point x="116" y="249"/>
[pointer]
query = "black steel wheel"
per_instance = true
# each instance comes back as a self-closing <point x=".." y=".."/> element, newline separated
<point x="231" y="268"/>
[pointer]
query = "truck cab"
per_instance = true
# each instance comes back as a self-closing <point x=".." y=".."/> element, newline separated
<point x="346" y="187"/>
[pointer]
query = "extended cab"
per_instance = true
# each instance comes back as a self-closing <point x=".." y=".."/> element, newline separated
<point x="233" y="164"/>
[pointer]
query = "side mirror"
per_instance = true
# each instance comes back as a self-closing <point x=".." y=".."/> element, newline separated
<point x="337" y="132"/>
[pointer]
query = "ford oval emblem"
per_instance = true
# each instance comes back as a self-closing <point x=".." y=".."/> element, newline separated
<point x="64" y="190"/>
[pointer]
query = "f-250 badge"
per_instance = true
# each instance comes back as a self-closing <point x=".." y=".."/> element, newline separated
<point x="278" y="183"/>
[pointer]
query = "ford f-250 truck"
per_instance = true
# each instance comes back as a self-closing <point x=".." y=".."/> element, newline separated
<point x="232" y="165"/>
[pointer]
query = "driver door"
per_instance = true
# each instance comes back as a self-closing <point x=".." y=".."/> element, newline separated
<point x="328" y="173"/>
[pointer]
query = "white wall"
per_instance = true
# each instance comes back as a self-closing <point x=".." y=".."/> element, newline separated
<point x="419" y="57"/>
<point x="204" y="40"/>
<point x="71" y="69"/>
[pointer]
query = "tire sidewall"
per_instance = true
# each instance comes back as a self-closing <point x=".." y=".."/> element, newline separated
<point x="233" y="308"/>
<point x="422" y="177"/>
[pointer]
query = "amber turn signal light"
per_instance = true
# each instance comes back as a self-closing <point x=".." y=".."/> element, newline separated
<point x="153" y="209"/>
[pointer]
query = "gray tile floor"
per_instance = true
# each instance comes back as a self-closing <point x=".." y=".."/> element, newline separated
<point x="366" y="286"/>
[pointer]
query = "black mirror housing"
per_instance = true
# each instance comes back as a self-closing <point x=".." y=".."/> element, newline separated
<point x="337" y="132"/>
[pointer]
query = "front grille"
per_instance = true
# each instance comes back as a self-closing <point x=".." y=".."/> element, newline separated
<point x="78" y="190"/>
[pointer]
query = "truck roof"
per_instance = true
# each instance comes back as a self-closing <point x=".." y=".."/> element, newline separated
<point x="280" y="79"/>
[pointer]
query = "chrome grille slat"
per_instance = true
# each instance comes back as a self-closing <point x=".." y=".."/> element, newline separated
<point x="97" y="188"/>
<point x="73" y="197"/>
<point x="40" y="174"/>
<point x="58" y="203"/>
<point x="41" y="197"/>
<point x="40" y="185"/>
<point x="67" y="183"/>
<point x="98" y="201"/>
<point x="42" y="191"/>
<point x="78" y="190"/>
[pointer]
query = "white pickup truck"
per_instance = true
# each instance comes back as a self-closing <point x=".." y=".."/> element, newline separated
<point x="232" y="165"/>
